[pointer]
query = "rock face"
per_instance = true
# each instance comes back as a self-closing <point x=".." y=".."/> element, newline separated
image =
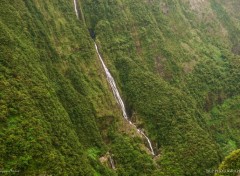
<point x="108" y="160"/>
<point x="196" y="4"/>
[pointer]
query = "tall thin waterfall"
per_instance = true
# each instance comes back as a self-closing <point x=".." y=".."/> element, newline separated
<point x="75" y="8"/>
<point x="119" y="99"/>
<point x="115" y="90"/>
<point x="113" y="85"/>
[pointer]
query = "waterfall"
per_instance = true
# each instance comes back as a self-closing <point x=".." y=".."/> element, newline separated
<point x="113" y="85"/>
<point x="119" y="99"/>
<point x="111" y="162"/>
<point x="116" y="92"/>
<point x="75" y="8"/>
<point x="148" y="140"/>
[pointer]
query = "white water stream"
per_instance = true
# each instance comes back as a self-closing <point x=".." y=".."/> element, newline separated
<point x="113" y="85"/>
<point x="75" y="8"/>
<point x="119" y="99"/>
<point x="112" y="162"/>
<point x="116" y="92"/>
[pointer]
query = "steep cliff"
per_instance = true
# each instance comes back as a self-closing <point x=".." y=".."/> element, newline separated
<point x="176" y="64"/>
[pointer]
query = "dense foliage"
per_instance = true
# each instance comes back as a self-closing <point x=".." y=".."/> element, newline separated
<point x="230" y="165"/>
<point x="176" y="64"/>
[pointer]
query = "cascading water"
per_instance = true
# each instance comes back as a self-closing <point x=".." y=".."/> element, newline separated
<point x="113" y="85"/>
<point x="115" y="90"/>
<point x="75" y="8"/>
<point x="112" y="162"/>
<point x="119" y="99"/>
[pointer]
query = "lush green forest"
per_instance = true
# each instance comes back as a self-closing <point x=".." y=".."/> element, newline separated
<point x="177" y="67"/>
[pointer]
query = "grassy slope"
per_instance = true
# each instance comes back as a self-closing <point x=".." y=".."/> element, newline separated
<point x="172" y="63"/>
<point x="49" y="77"/>
<point x="58" y="115"/>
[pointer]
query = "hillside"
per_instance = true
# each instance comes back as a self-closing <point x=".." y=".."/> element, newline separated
<point x="176" y="65"/>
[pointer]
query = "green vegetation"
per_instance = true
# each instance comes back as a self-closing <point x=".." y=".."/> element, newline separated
<point x="230" y="165"/>
<point x="176" y="64"/>
<point x="225" y="124"/>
